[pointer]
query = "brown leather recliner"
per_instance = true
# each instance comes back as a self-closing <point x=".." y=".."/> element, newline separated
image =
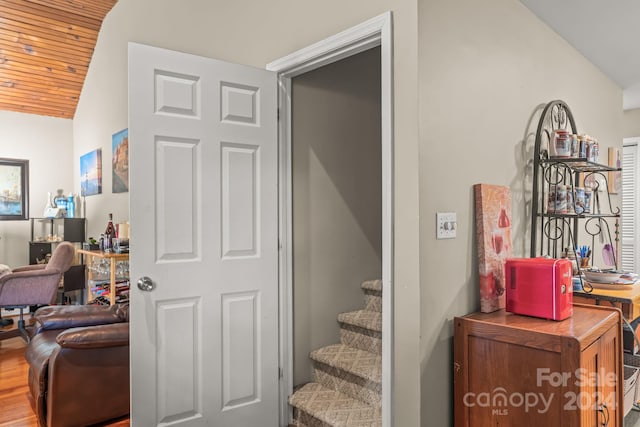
<point x="79" y="364"/>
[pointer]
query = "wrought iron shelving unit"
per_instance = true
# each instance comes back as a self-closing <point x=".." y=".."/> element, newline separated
<point x="552" y="233"/>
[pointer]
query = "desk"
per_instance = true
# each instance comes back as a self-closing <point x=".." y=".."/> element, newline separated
<point x="627" y="300"/>
<point x="114" y="258"/>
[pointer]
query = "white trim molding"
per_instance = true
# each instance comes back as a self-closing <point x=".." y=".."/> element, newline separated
<point x="377" y="31"/>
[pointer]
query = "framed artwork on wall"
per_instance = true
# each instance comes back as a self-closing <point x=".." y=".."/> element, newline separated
<point x="493" y="234"/>
<point x="120" y="161"/>
<point x="91" y="173"/>
<point x="14" y="189"/>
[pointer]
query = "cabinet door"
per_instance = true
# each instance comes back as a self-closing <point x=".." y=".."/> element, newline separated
<point x="587" y="398"/>
<point x="610" y="364"/>
<point x="598" y="397"/>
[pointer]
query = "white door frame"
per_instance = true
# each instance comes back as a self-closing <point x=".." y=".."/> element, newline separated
<point x="377" y="31"/>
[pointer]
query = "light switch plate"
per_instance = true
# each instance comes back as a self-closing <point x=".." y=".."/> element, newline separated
<point x="446" y="225"/>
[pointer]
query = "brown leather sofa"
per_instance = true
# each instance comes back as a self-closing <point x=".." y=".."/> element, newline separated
<point x="78" y="360"/>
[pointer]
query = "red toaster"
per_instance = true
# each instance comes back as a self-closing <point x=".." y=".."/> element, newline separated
<point x="539" y="287"/>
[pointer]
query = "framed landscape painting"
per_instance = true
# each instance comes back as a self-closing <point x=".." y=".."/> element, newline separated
<point x="14" y="189"/>
<point x="120" y="163"/>
<point x="91" y="173"/>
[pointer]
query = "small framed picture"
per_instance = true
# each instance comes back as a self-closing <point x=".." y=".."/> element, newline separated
<point x="91" y="173"/>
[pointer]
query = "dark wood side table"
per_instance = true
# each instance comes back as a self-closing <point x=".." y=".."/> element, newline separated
<point x="517" y="370"/>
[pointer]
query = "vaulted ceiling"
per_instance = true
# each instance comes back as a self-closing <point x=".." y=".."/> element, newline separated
<point x="45" y="51"/>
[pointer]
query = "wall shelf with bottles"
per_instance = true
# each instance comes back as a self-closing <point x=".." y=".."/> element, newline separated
<point x="571" y="204"/>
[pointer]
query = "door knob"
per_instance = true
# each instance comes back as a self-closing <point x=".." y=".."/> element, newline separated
<point x="146" y="284"/>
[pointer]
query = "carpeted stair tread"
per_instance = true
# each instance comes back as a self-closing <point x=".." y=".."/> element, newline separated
<point x="358" y="362"/>
<point x="372" y="285"/>
<point x="335" y="408"/>
<point x="365" y="319"/>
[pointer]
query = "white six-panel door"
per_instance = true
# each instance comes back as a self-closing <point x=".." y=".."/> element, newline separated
<point x="203" y="200"/>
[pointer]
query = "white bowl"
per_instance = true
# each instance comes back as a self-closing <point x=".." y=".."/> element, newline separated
<point x="603" y="276"/>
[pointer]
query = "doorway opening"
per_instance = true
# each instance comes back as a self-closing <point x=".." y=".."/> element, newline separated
<point x="376" y="32"/>
<point x="337" y="233"/>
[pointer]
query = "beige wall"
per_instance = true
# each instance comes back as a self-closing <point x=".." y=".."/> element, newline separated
<point x="468" y="83"/>
<point x="337" y="198"/>
<point x="631" y="123"/>
<point x="47" y="143"/>
<point x="256" y="33"/>
<point x="484" y="69"/>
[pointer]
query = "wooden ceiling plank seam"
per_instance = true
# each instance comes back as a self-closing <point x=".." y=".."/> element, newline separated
<point x="7" y="56"/>
<point x="31" y="85"/>
<point x="57" y="36"/>
<point x="40" y="70"/>
<point x="46" y="47"/>
<point x="33" y="103"/>
<point x="37" y="50"/>
<point x="41" y="112"/>
<point x="88" y="18"/>
<point x="50" y="13"/>
<point x="37" y="104"/>
<point x="20" y="78"/>
<point x="47" y="34"/>
<point x="89" y="9"/>
<point x="52" y="91"/>
<point x="48" y="56"/>
<point x="61" y="26"/>
<point x="10" y="54"/>
<point x="52" y="102"/>
<point x="23" y="39"/>
<point x="50" y="49"/>
<point x="19" y="87"/>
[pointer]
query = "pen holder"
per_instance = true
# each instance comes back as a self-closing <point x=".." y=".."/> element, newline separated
<point x="584" y="262"/>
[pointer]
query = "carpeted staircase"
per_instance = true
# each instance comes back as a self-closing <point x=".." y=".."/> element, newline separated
<point x="348" y="376"/>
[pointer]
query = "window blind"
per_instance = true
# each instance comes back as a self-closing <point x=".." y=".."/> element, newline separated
<point x="630" y="232"/>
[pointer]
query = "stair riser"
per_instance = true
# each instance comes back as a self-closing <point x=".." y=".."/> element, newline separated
<point x="373" y="302"/>
<point x="353" y="386"/>
<point x="306" y="420"/>
<point x="362" y="339"/>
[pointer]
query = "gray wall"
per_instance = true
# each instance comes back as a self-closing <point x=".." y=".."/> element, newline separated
<point x="485" y="68"/>
<point x="337" y="201"/>
<point x="631" y="123"/>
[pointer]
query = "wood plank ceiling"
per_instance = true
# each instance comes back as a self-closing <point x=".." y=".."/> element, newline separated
<point x="45" y="51"/>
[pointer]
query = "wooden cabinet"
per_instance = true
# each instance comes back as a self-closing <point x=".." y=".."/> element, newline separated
<point x="512" y="370"/>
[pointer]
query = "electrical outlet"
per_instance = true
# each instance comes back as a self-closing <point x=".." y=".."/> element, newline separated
<point x="446" y="225"/>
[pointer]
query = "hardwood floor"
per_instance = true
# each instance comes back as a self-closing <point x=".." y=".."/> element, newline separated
<point x="15" y="409"/>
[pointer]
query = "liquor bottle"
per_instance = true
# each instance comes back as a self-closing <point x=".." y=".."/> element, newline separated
<point x="109" y="234"/>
